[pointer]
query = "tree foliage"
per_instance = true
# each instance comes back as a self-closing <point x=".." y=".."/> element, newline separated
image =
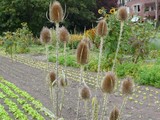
<point x="107" y="4"/>
<point x="14" y="12"/>
<point x="80" y="14"/>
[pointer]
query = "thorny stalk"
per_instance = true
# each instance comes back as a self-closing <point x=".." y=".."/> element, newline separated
<point x="57" y="48"/>
<point x="122" y="107"/>
<point x="86" y="109"/>
<point x="47" y="53"/>
<point x="62" y="101"/>
<point x="80" y="83"/>
<point x="99" y="62"/>
<point x="118" y="45"/>
<point x="105" y="101"/>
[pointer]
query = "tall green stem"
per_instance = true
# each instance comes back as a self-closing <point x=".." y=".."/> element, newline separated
<point x="123" y="105"/>
<point x="86" y="109"/>
<point x="46" y="46"/>
<point x="52" y="97"/>
<point x="65" y="65"/>
<point x="118" y="45"/>
<point x="57" y="48"/>
<point x="99" y="62"/>
<point x="80" y="83"/>
<point x="62" y="101"/>
<point x="105" y="100"/>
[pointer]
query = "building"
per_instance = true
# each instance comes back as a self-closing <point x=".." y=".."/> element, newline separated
<point x="144" y="8"/>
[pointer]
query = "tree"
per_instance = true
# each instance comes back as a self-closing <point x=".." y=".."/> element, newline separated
<point x="107" y="4"/>
<point x="14" y="12"/>
<point x="80" y="14"/>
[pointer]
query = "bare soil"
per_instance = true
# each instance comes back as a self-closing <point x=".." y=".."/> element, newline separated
<point x="144" y="104"/>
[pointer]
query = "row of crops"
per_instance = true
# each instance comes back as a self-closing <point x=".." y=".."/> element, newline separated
<point x="18" y="104"/>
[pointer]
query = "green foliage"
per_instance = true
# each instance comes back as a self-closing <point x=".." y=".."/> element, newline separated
<point x="70" y="60"/>
<point x="18" y="41"/>
<point x="13" y="13"/>
<point x="149" y="75"/>
<point x="111" y="39"/>
<point x="14" y="98"/>
<point x="128" y="69"/>
<point x="80" y="14"/>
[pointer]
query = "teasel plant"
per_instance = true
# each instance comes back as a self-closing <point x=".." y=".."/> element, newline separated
<point x="82" y="59"/>
<point x="114" y="114"/>
<point x="45" y="38"/>
<point x="122" y="16"/>
<point x="101" y="31"/>
<point x="127" y="89"/>
<point x="85" y="94"/>
<point x="51" y="81"/>
<point x="64" y="38"/>
<point x="107" y="87"/>
<point x="63" y="83"/>
<point x="56" y="15"/>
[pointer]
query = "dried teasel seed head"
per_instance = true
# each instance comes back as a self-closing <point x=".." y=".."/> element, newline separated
<point x="114" y="114"/>
<point x="63" y="82"/>
<point x="56" y="12"/>
<point x="122" y="14"/>
<point x="108" y="82"/>
<point x="88" y="42"/>
<point x="82" y="53"/>
<point x="85" y="92"/>
<point x="63" y="34"/>
<point x="127" y="86"/>
<point x="45" y="35"/>
<point x="51" y="77"/>
<point x="102" y="28"/>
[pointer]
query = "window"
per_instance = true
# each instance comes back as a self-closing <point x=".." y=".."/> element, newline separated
<point x="137" y="8"/>
<point x="146" y="9"/>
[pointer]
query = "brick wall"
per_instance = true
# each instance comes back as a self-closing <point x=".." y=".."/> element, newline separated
<point x="143" y="8"/>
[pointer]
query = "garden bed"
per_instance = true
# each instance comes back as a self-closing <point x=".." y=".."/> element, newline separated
<point x="143" y="104"/>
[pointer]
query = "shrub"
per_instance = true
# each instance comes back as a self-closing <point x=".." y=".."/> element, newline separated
<point x="74" y="40"/>
<point x="70" y="60"/>
<point x="127" y="69"/>
<point x="149" y="75"/>
<point x="18" y="41"/>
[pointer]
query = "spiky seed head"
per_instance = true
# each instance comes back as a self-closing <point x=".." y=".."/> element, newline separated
<point x="122" y="14"/>
<point x="108" y="82"/>
<point x="63" y="82"/>
<point x="45" y="35"/>
<point x="127" y="86"/>
<point x="82" y="53"/>
<point x="85" y="93"/>
<point x="63" y="34"/>
<point x="51" y="77"/>
<point x="114" y="114"/>
<point x="102" y="28"/>
<point x="56" y="12"/>
<point x="88" y="42"/>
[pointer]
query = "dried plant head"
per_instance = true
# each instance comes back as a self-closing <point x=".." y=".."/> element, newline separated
<point x="45" y="35"/>
<point x="51" y="77"/>
<point x="85" y="92"/>
<point x="63" y="34"/>
<point x="127" y="86"/>
<point x="56" y="12"/>
<point x="108" y="82"/>
<point x="82" y="53"/>
<point x="122" y="14"/>
<point x="114" y="114"/>
<point x="63" y="82"/>
<point x="101" y="28"/>
<point x="88" y="42"/>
